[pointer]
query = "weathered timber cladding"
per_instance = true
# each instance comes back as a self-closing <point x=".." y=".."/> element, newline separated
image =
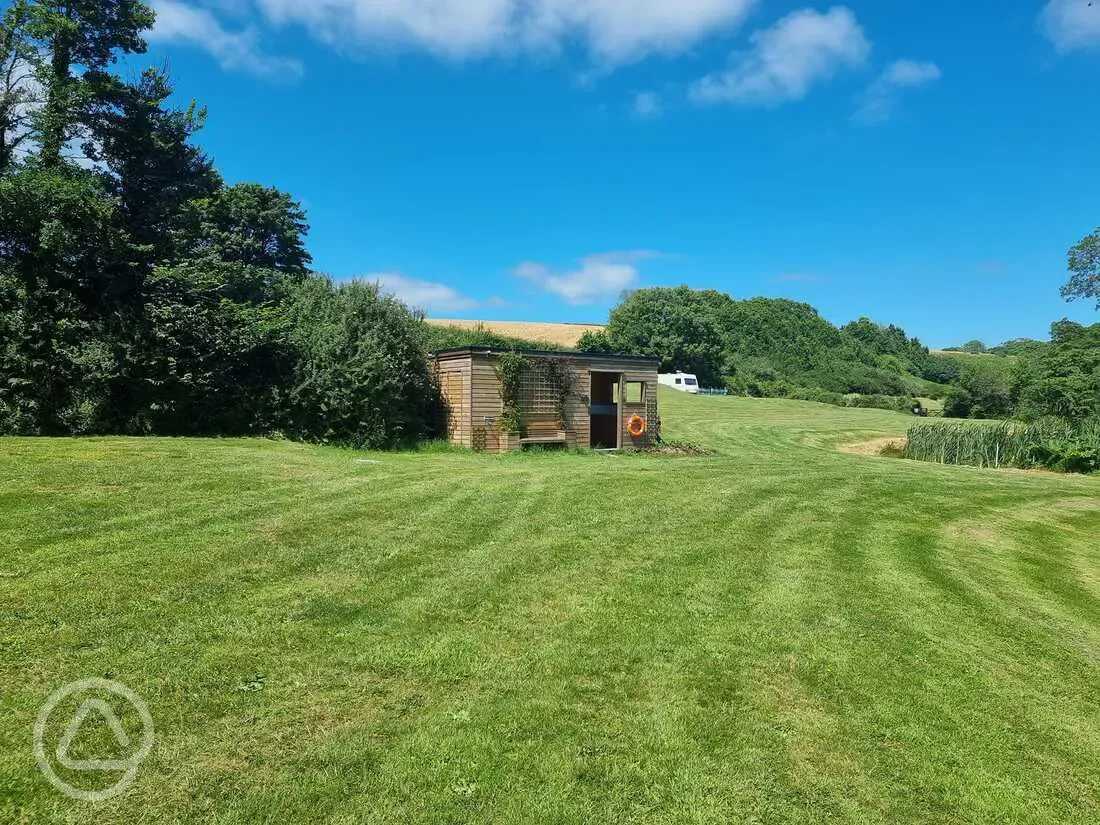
<point x="486" y="401"/>
<point x="454" y="382"/>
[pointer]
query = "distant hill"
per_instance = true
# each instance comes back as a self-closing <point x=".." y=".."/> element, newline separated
<point x="560" y="335"/>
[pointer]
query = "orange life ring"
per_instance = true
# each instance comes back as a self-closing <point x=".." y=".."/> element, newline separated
<point x="636" y="426"/>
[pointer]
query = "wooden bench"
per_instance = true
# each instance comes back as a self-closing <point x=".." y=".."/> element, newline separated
<point x="558" y="438"/>
<point x="542" y="431"/>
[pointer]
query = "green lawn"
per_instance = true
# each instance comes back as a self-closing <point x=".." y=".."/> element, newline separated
<point x="780" y="632"/>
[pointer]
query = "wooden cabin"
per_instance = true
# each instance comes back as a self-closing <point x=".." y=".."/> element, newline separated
<point x="597" y="406"/>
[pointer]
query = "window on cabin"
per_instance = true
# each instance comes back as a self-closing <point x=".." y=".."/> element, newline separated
<point x="679" y="380"/>
<point x="691" y="382"/>
<point x="635" y="392"/>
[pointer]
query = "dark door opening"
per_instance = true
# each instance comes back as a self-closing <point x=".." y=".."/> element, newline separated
<point x="604" y="409"/>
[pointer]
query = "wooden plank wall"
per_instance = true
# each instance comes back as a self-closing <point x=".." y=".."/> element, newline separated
<point x="486" y="400"/>
<point x="454" y="381"/>
<point x="580" y="422"/>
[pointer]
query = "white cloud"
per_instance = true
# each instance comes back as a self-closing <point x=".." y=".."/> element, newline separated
<point x="425" y="295"/>
<point x="647" y="105"/>
<point x="613" y="31"/>
<point x="599" y="276"/>
<point x="621" y="30"/>
<point x="903" y="73"/>
<point x="450" y="27"/>
<point x="181" y="23"/>
<point x="1071" y="24"/>
<point x="881" y="99"/>
<point x="785" y="61"/>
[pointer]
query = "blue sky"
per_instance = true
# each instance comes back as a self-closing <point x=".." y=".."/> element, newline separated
<point x="921" y="163"/>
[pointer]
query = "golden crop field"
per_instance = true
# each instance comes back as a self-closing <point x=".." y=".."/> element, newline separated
<point x="565" y="335"/>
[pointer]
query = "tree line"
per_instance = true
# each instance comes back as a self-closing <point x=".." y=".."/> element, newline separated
<point x="768" y="346"/>
<point x="782" y="348"/>
<point x="142" y="294"/>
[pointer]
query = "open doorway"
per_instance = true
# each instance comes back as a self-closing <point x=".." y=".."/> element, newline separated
<point x="604" y="409"/>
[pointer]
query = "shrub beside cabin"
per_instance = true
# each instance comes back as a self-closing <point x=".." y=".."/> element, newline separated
<point x="500" y="400"/>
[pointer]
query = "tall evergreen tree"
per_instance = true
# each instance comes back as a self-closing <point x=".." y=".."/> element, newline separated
<point x="153" y="170"/>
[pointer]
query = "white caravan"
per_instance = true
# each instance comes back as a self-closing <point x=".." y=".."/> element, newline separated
<point x="682" y="381"/>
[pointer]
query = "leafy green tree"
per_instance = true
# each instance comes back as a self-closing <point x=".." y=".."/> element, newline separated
<point x="249" y="224"/>
<point x="974" y="347"/>
<point x="59" y="249"/>
<point x="679" y="325"/>
<point x="214" y="362"/>
<point x="219" y="356"/>
<point x="1084" y="267"/>
<point x="595" y="341"/>
<point x="87" y="34"/>
<point x="1062" y="379"/>
<point x="983" y="390"/>
<point x="17" y="402"/>
<point x="361" y="372"/>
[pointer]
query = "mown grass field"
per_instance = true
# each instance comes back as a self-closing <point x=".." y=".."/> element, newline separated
<point x="781" y="632"/>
